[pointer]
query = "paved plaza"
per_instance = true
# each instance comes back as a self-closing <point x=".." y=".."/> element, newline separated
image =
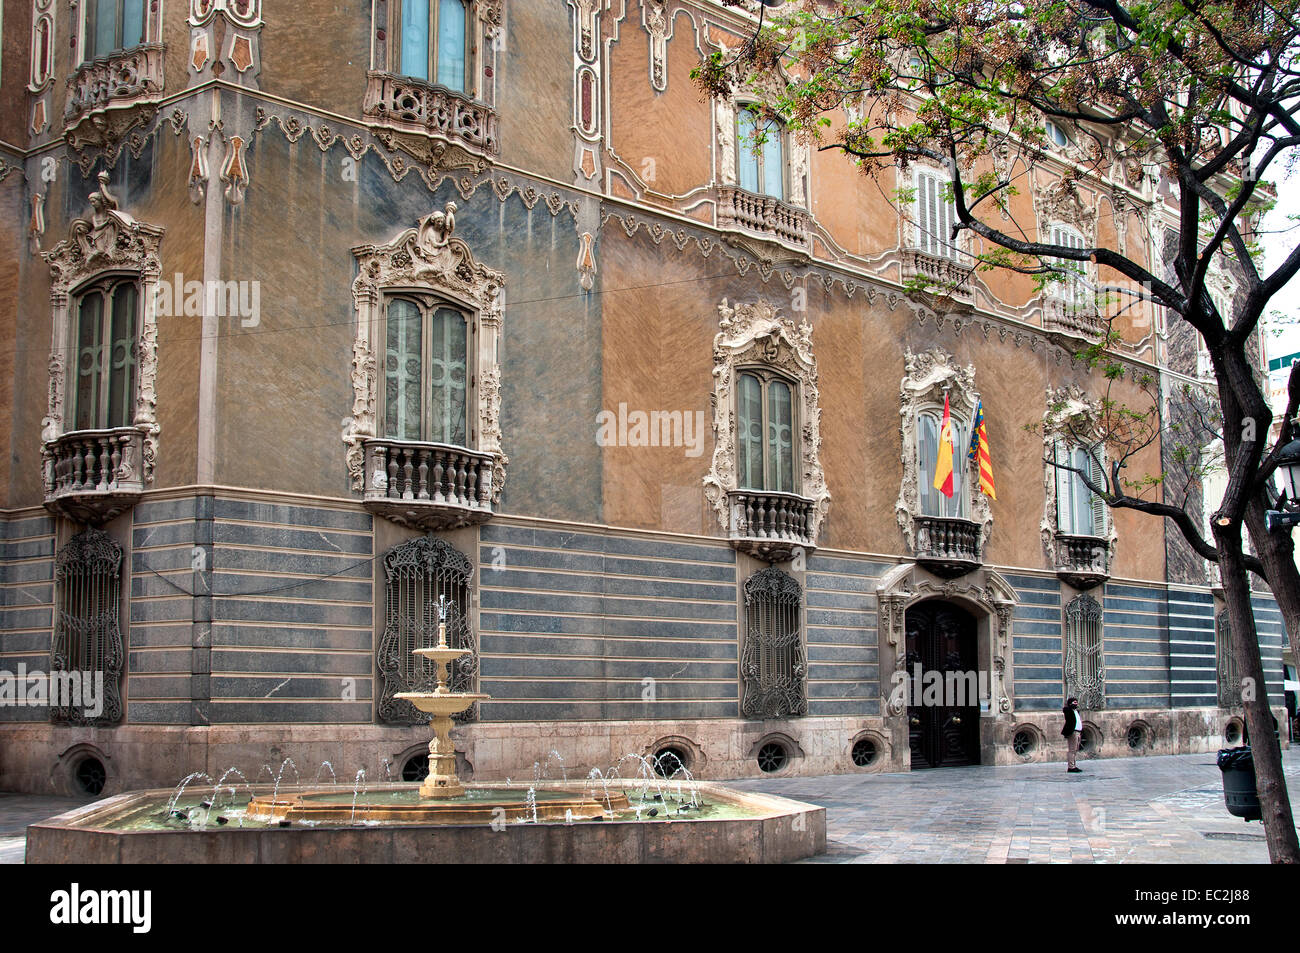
<point x="1121" y="810"/>
<point x="1159" y="810"/>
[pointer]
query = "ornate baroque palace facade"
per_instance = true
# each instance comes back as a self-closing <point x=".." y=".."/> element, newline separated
<point x="320" y="318"/>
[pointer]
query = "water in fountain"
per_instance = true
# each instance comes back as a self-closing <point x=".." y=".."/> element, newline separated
<point x="356" y="790"/>
<point x="333" y="777"/>
<point x="180" y="790"/>
<point x="297" y="779"/>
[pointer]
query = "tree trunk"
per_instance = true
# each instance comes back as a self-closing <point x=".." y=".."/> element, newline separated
<point x="1279" y="825"/>
<point x="1277" y="553"/>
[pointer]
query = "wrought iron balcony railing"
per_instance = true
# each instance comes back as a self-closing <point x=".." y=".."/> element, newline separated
<point x="947" y="545"/>
<point x="1082" y="561"/>
<point x="430" y="486"/>
<point x="92" y="476"/>
<point x="941" y="276"/>
<point x="770" y="525"/>
<point x="764" y="216"/>
<point x="412" y="105"/>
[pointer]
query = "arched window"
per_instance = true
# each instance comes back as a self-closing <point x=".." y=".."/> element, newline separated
<point x="421" y="575"/>
<point x="105" y="348"/>
<point x="1085" y="671"/>
<point x="1229" y="681"/>
<point x="933" y="502"/>
<point x="765" y="432"/>
<point x="425" y="372"/>
<point x="87" y="643"/>
<point x="1079" y="511"/>
<point x="432" y="41"/>
<point x="772" y="665"/>
<point x="113" y="25"/>
<point x="760" y="146"/>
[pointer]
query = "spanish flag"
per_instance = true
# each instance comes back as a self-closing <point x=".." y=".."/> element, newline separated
<point x="943" y="467"/>
<point x="979" y="451"/>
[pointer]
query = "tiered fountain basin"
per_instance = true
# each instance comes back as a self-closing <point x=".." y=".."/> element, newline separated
<point x="489" y="823"/>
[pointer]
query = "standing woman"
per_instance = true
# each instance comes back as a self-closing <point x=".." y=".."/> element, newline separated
<point x="1073" y="731"/>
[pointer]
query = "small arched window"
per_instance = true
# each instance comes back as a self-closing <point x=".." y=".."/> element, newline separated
<point x="425" y="372"/>
<point x="87" y="644"/>
<point x="1085" y="671"/>
<point x="772" y="665"/>
<point x="933" y="502"/>
<point x="420" y="576"/>
<point x="1229" y="681"/>
<point x="432" y="41"/>
<point x="765" y="432"/>
<point x="113" y="25"/>
<point x="761" y="162"/>
<point x="105" y="349"/>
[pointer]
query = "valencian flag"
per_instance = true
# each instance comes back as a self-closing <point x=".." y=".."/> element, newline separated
<point x="943" y="466"/>
<point x="979" y="452"/>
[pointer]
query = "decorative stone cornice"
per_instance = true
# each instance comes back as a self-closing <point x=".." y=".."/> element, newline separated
<point x="426" y="257"/>
<point x="756" y="334"/>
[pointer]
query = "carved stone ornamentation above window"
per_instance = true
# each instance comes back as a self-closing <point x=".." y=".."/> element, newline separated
<point x="96" y="464"/>
<point x="431" y="467"/>
<point x="431" y="87"/>
<point x="947" y="535"/>
<point x="1078" y="531"/>
<point x="773" y="518"/>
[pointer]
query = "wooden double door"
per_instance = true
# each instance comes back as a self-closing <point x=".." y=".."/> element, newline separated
<point x="941" y="639"/>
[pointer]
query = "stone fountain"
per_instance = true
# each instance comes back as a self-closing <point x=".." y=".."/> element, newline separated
<point x="440" y="704"/>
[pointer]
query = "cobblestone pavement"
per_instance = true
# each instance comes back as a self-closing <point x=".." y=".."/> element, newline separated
<point x="1119" y="810"/>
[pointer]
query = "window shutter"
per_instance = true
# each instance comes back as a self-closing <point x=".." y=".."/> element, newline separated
<point x="1064" y="498"/>
<point x="1097" y="473"/>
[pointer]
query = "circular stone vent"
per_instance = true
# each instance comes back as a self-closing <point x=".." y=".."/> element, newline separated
<point x="416" y="768"/>
<point x="670" y="760"/>
<point x="1090" y="742"/>
<point x="1025" y="742"/>
<point x="865" y="752"/>
<point x="1232" y="732"/>
<point x="772" y="757"/>
<point x="90" y="776"/>
<point x="1137" y="737"/>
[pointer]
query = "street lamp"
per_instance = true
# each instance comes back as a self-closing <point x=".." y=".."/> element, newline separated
<point x="1287" y="513"/>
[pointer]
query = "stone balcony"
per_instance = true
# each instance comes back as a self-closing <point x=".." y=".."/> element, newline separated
<point x="1074" y="319"/>
<point x="948" y="546"/>
<point x="939" y="276"/>
<point x="428" y="486"/>
<point x="453" y="129"/>
<point x="770" y="525"/>
<point x="764" y="217"/>
<point x="112" y="93"/>
<point x="1082" y="561"/>
<point x="93" y="476"/>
